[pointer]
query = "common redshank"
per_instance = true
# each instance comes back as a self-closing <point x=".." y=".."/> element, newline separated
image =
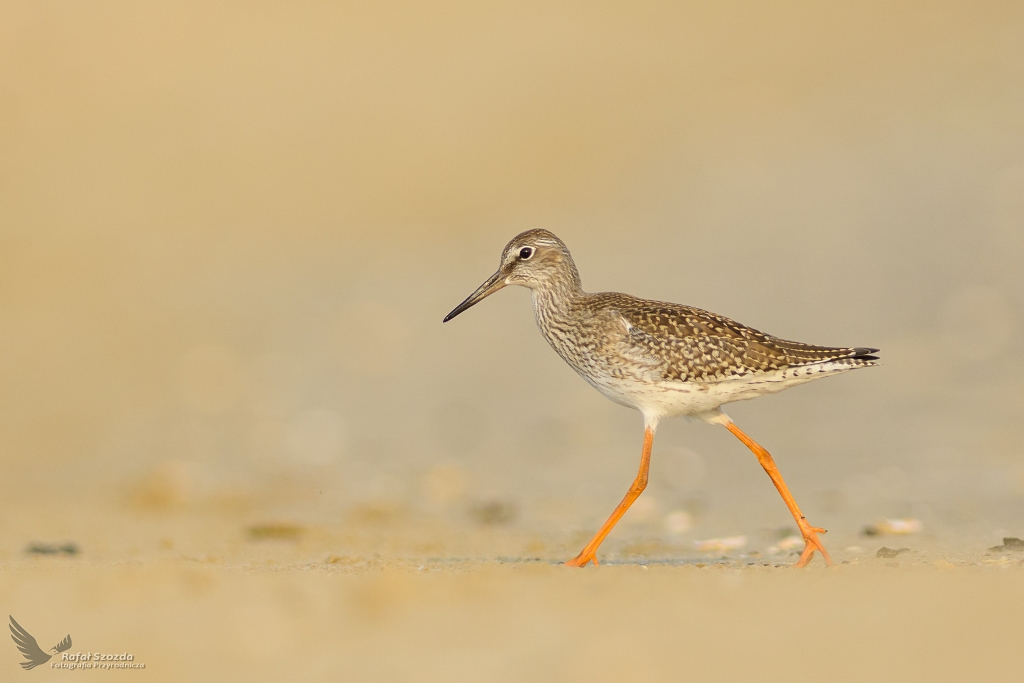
<point x="661" y="358"/>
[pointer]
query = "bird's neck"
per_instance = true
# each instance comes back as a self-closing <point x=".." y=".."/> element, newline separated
<point x="558" y="293"/>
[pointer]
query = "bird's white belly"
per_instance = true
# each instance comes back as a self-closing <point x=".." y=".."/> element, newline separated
<point x="667" y="399"/>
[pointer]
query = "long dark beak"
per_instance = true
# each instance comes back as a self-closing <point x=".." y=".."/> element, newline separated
<point x="493" y="284"/>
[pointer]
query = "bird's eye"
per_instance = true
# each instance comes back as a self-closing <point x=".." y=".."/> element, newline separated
<point x="525" y="253"/>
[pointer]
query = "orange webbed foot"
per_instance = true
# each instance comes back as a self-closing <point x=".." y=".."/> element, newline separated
<point x="582" y="560"/>
<point x="812" y="543"/>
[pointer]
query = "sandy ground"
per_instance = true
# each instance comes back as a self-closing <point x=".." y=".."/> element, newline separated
<point x="386" y="599"/>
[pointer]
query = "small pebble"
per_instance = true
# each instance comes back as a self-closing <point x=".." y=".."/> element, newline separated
<point x="282" y="531"/>
<point x="712" y="545"/>
<point x="68" y="548"/>
<point x="894" y="527"/>
<point x="790" y="543"/>
<point x="678" y="522"/>
<point x="1009" y="544"/>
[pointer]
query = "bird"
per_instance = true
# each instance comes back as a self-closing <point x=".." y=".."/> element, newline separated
<point x="30" y="648"/>
<point x="663" y="359"/>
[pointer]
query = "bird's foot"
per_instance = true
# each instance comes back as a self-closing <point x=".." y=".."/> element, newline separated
<point x="811" y="543"/>
<point x="585" y="557"/>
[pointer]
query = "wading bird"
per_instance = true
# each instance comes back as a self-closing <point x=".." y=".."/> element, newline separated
<point x="661" y="358"/>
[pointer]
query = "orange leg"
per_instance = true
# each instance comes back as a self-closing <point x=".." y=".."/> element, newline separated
<point x="589" y="554"/>
<point x="810" y="533"/>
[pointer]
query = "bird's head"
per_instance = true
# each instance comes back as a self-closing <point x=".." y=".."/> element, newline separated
<point x="534" y="259"/>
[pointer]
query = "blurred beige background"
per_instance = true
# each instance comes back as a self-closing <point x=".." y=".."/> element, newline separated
<point x="229" y="232"/>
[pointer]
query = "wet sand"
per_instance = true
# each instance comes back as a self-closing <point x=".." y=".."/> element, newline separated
<point x="357" y="602"/>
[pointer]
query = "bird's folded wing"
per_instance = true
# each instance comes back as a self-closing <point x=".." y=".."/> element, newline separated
<point x="659" y="354"/>
<point x="693" y="345"/>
